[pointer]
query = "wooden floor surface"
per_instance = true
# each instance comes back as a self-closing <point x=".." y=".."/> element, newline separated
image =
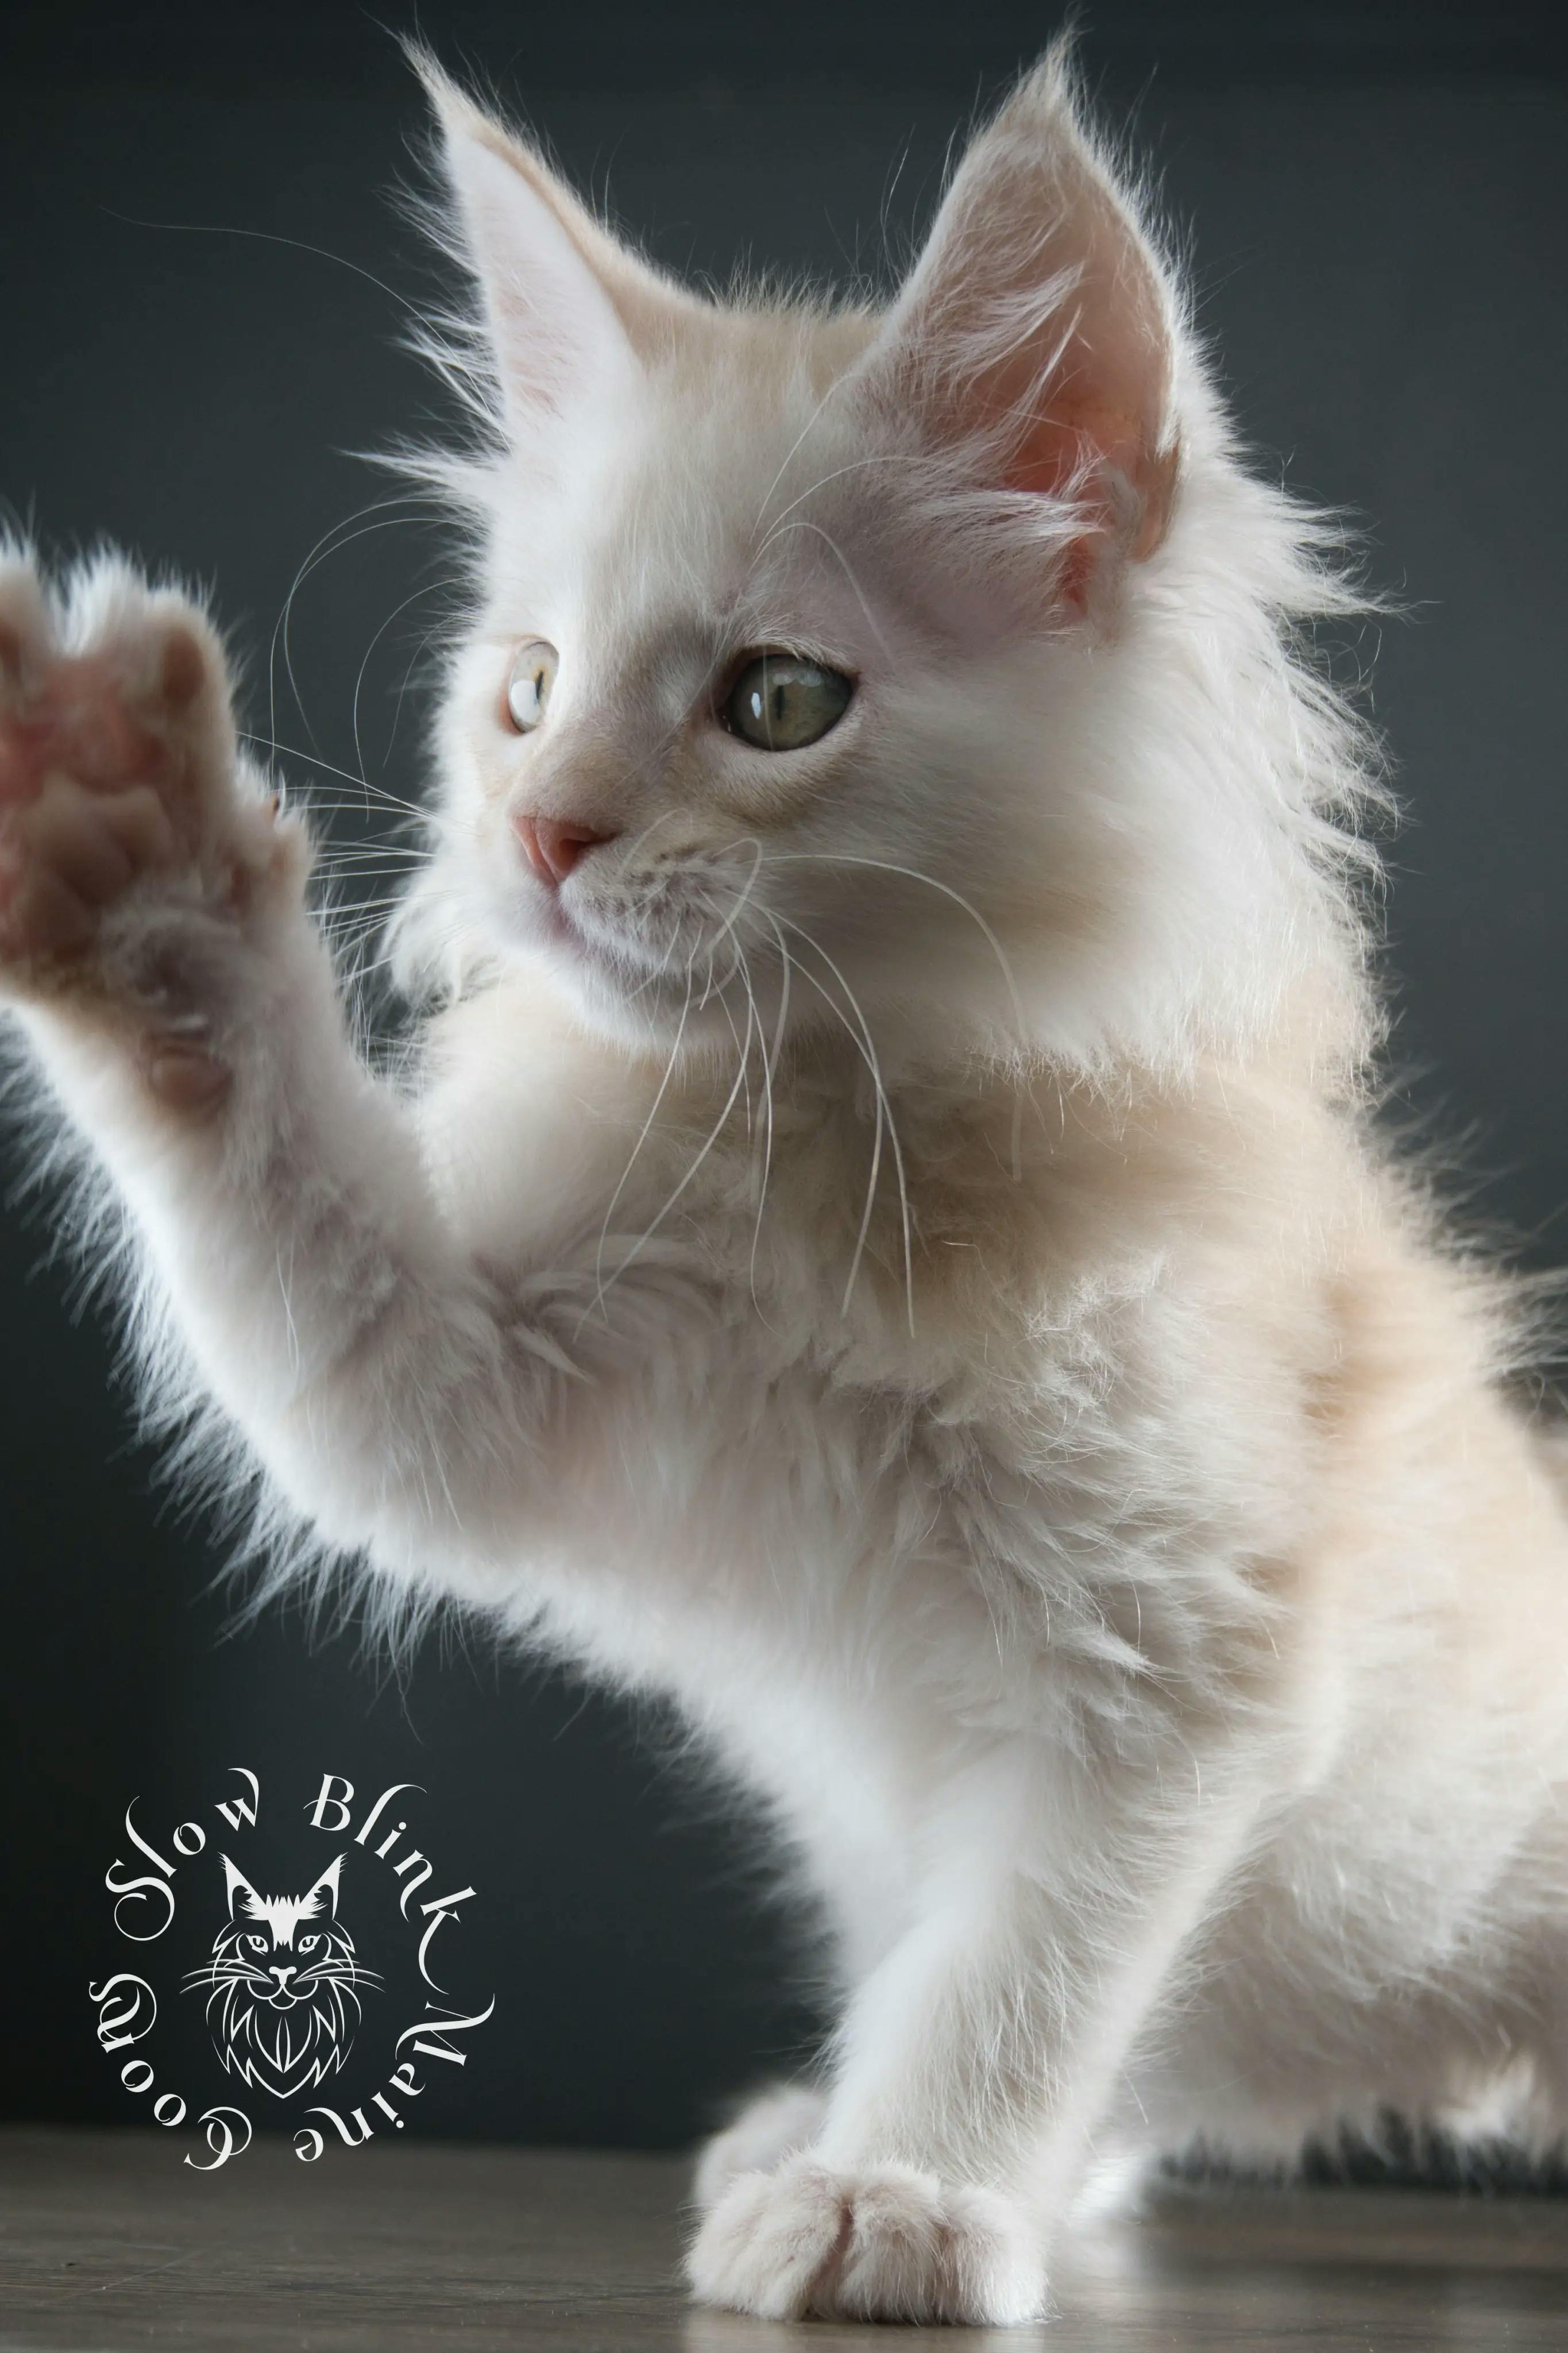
<point x="108" y="2242"/>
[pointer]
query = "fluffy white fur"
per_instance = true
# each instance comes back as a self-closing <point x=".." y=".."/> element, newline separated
<point x="892" y="1254"/>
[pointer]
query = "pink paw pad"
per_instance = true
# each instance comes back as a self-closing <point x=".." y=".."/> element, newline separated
<point x="118" y="800"/>
<point x="80" y="719"/>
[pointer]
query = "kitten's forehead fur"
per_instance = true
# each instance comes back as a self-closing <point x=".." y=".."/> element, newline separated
<point x="676" y="513"/>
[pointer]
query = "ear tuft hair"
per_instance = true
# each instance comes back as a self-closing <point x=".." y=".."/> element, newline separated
<point x="237" y="1885"/>
<point x="323" y="1895"/>
<point x="569" y="308"/>
<point x="1036" y="334"/>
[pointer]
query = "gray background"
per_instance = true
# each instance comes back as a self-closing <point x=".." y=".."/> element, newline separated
<point x="1377" y="198"/>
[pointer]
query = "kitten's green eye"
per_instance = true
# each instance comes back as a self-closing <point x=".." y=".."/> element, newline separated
<point x="780" y="702"/>
<point x="528" y="687"/>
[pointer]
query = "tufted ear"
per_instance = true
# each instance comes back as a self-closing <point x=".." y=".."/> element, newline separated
<point x="243" y="1899"/>
<point x="323" y="1895"/>
<point x="1037" y="330"/>
<point x="568" y="309"/>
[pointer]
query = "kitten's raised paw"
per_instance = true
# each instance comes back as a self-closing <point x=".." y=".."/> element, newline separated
<point x="880" y="2243"/>
<point x="119" y="775"/>
<point x="771" y="2125"/>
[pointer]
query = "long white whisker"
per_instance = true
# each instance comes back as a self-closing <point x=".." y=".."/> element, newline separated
<point x="660" y="817"/>
<point x="267" y="236"/>
<point x="330" y="803"/>
<point x="716" y="986"/>
<point x="349" y="938"/>
<point x="403" y="690"/>
<point x="314" y="760"/>
<point x="770" y="1068"/>
<point x="739" y="909"/>
<point x="727" y="928"/>
<point x="884" y="1110"/>
<point x="754" y="1015"/>
<point x="319" y="555"/>
<point x="861" y="598"/>
<point x="855" y="466"/>
<point x="660" y="968"/>
<point x="363" y="971"/>
<point x="737" y="966"/>
<point x="643" y="1135"/>
<point x="709" y="1142"/>
<point x="806" y="430"/>
<point x="430" y="589"/>
<point x="398" y="853"/>
<point x="913" y="874"/>
<point x="362" y="916"/>
<point x="352" y="867"/>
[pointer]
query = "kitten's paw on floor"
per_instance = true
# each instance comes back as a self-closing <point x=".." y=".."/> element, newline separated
<point x="880" y="2243"/>
<point x="119" y="790"/>
<point x="777" y="2122"/>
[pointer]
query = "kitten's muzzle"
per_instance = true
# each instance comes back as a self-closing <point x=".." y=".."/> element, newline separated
<point x="552" y="845"/>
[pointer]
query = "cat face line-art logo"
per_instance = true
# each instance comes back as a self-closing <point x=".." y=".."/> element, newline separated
<point x="283" y="1985"/>
<point x="290" y="2005"/>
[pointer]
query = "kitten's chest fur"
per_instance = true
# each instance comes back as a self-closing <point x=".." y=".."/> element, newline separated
<point x="933" y="1248"/>
<point x="957" y="1374"/>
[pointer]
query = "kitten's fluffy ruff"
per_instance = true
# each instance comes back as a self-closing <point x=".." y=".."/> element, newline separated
<point x="1135" y="1598"/>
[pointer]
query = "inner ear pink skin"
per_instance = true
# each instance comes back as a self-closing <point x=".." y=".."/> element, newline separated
<point x="1036" y="333"/>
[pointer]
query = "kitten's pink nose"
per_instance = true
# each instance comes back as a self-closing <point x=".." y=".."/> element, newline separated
<point x="552" y="845"/>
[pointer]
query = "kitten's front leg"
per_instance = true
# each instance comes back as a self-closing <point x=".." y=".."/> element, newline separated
<point x="976" y="2060"/>
<point x="155" y="945"/>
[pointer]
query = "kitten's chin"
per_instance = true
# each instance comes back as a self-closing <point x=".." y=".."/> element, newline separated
<point x="640" y="1012"/>
<point x="603" y="992"/>
<point x="650" y="1011"/>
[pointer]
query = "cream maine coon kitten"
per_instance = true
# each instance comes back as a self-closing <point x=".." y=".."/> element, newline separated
<point x="885" y="1243"/>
